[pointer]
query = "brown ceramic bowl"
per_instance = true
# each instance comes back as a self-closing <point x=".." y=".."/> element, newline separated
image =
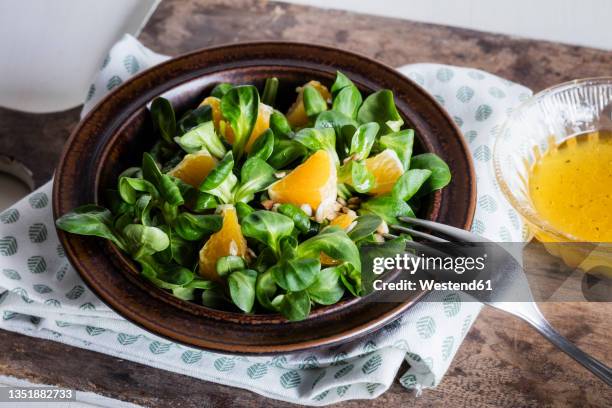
<point x="115" y="133"/>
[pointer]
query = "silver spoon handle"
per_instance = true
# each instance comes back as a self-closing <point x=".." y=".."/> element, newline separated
<point x="590" y="363"/>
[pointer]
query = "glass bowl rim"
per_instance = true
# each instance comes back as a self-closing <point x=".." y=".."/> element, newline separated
<point x="527" y="213"/>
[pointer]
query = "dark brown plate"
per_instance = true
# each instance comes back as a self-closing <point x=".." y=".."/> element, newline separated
<point x="114" y="134"/>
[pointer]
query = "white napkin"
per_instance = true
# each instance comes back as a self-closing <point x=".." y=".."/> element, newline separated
<point x="44" y="297"/>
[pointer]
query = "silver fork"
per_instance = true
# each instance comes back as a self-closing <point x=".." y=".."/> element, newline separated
<point x="510" y="279"/>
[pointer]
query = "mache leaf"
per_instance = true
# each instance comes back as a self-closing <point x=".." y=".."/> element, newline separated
<point x="401" y="143"/>
<point x="380" y="107"/>
<point x="91" y="220"/>
<point x="440" y="172"/>
<point x="388" y="207"/>
<point x="240" y="107"/>
<point x="335" y="243"/>
<point x="202" y="137"/>
<point x="267" y="227"/>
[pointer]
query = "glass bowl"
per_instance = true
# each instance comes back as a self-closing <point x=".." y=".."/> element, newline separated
<point x="538" y="124"/>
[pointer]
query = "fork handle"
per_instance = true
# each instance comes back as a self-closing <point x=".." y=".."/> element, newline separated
<point x="590" y="363"/>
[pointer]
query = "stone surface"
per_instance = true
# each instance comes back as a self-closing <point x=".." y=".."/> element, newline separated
<point x="502" y="362"/>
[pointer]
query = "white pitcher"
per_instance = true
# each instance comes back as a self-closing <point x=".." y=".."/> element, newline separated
<point x="50" y="50"/>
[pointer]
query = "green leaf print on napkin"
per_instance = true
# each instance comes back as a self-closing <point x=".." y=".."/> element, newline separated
<point x="257" y="371"/>
<point x="37" y="233"/>
<point x="38" y="200"/>
<point x="290" y="379"/>
<point x="37" y="264"/>
<point x="224" y="364"/>
<point x="11" y="274"/>
<point x="191" y="356"/>
<point x="8" y="246"/>
<point x="372" y="364"/>
<point x="10" y="216"/>
<point x="426" y="327"/>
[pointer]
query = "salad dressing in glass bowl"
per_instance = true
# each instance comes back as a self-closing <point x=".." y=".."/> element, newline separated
<point x="571" y="186"/>
<point x="553" y="162"/>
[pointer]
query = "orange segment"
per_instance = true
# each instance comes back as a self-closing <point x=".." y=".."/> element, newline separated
<point x="215" y="105"/>
<point x="220" y="124"/>
<point x="312" y="182"/>
<point x="344" y="220"/>
<point x="261" y="125"/>
<point x="386" y="168"/>
<point x="296" y="116"/>
<point x="194" y="168"/>
<point x="327" y="260"/>
<point x="227" y="241"/>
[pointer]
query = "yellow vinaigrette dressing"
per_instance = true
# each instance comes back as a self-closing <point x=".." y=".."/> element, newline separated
<point x="571" y="186"/>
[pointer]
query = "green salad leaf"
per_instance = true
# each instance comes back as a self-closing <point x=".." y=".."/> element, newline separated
<point x="351" y="278"/>
<point x="286" y="152"/>
<point x="165" y="276"/>
<point x="296" y="274"/>
<point x="256" y="175"/>
<point x="142" y="209"/>
<point x="335" y="243"/>
<point x="299" y="217"/>
<point x="193" y="227"/>
<point x="344" y="127"/>
<point x="440" y="173"/>
<point x="295" y="306"/>
<point x="385" y="249"/>
<point x="365" y="226"/>
<point x="265" y="260"/>
<point x="264" y="146"/>
<point x="380" y="107"/>
<point x="164" y="184"/>
<point x="388" y="207"/>
<point x="280" y="126"/>
<point x="318" y="139"/>
<point x="267" y="227"/>
<point x="401" y="143"/>
<point x="313" y="101"/>
<point x="242" y="210"/>
<point x="242" y="288"/>
<point x="363" y="140"/>
<point x="131" y="188"/>
<point x="91" y="220"/>
<point x="202" y="137"/>
<point x="221" y="89"/>
<point x="348" y="101"/>
<point x="163" y="118"/>
<point x="115" y="203"/>
<point x="198" y="201"/>
<point x="341" y="82"/>
<point x="270" y="90"/>
<point x="228" y="264"/>
<point x="356" y="175"/>
<point x="182" y="251"/>
<point x="409" y="183"/>
<point x="221" y="182"/>
<point x="143" y="241"/>
<point x="194" y="118"/>
<point x="265" y="290"/>
<point x="326" y="288"/>
<point x="240" y="106"/>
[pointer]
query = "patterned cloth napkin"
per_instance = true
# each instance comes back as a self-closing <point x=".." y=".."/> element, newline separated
<point x="42" y="296"/>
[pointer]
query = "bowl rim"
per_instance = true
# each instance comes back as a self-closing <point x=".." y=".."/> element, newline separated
<point x="529" y="215"/>
<point x="336" y="338"/>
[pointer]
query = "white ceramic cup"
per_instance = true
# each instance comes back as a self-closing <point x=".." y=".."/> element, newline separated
<point x="51" y="50"/>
